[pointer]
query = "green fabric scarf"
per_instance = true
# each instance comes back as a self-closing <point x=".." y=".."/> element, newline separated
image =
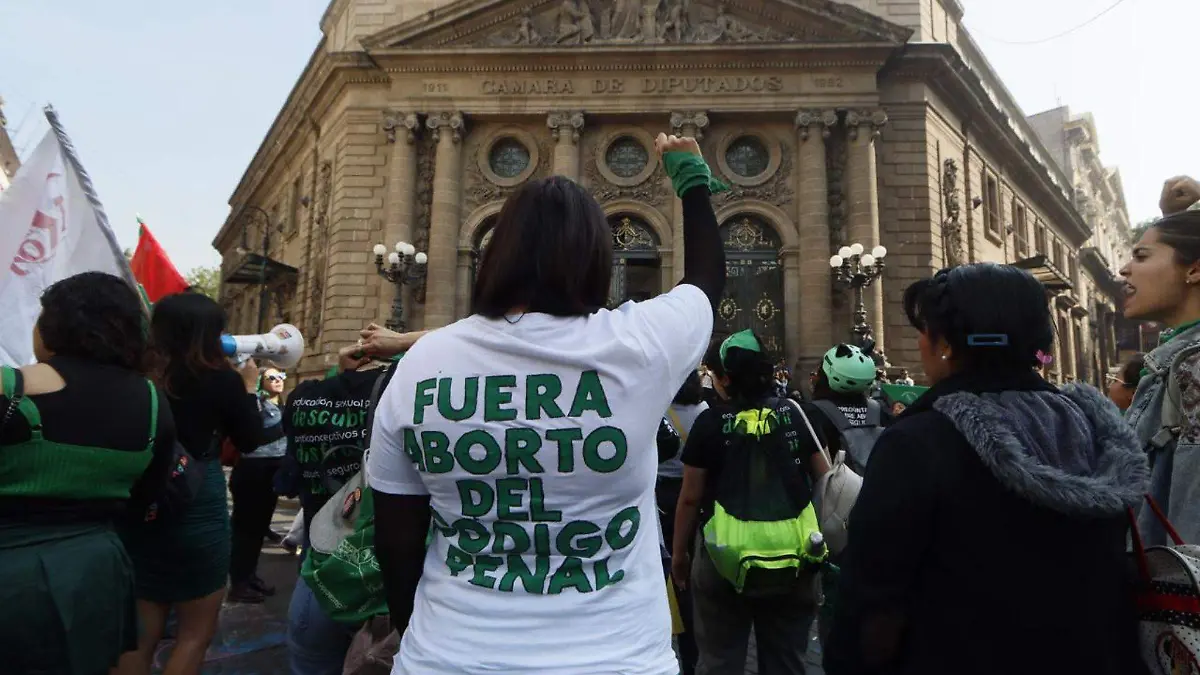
<point x="687" y="170"/>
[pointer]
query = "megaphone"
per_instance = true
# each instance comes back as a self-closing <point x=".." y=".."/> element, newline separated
<point x="284" y="346"/>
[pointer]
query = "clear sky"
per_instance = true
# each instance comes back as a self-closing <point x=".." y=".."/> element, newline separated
<point x="168" y="101"/>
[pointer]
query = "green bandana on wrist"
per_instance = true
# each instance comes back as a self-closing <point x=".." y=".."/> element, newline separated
<point x="687" y="170"/>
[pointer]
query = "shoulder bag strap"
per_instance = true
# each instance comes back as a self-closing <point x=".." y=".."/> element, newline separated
<point x="834" y="414"/>
<point x="811" y="432"/>
<point x="376" y="392"/>
<point x="153" y="415"/>
<point x="874" y="412"/>
<point x="14" y="388"/>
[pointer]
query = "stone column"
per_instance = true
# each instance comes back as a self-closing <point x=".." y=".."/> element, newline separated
<point x="566" y="127"/>
<point x="862" y="201"/>
<point x="815" y="287"/>
<point x="447" y="129"/>
<point x="401" y="129"/>
<point x="682" y="124"/>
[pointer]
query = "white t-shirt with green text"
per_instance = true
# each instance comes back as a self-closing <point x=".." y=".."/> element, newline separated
<point x="535" y="440"/>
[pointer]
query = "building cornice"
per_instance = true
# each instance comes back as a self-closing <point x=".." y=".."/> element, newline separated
<point x="941" y="67"/>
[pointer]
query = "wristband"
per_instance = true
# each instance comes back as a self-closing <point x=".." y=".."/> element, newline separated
<point x="687" y="170"/>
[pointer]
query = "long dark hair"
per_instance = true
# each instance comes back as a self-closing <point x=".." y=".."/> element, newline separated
<point x="973" y="307"/>
<point x="96" y="317"/>
<point x="551" y="252"/>
<point x="1181" y="231"/>
<point x="751" y="375"/>
<point x="691" y="392"/>
<point x="185" y="332"/>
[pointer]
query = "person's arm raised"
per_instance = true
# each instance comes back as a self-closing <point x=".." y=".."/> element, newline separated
<point x="703" y="254"/>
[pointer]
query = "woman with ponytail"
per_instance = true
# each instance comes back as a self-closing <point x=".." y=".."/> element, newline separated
<point x="989" y="535"/>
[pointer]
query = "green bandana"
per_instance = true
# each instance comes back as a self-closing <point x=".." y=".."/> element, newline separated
<point x="687" y="171"/>
<point x="742" y="340"/>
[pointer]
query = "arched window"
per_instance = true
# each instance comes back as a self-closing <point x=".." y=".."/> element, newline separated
<point x="635" y="260"/>
<point x="754" y="282"/>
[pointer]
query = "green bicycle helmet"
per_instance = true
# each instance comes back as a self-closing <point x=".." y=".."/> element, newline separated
<point x="848" y="369"/>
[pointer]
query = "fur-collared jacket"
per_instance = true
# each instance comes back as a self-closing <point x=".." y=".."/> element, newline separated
<point x="990" y="535"/>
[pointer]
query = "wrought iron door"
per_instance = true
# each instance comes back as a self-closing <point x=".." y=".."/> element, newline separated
<point x="634" y="248"/>
<point x="754" y="283"/>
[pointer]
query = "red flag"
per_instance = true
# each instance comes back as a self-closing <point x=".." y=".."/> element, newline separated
<point x="153" y="269"/>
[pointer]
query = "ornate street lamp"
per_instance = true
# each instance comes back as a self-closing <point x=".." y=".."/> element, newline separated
<point x="858" y="270"/>
<point x="405" y="266"/>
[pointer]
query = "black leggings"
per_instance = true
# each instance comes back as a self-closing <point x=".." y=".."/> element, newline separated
<point x="253" y="491"/>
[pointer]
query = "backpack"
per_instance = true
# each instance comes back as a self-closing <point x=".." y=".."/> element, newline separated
<point x="834" y="495"/>
<point x="759" y="536"/>
<point x="857" y="440"/>
<point x="1172" y="416"/>
<point x="1167" y="598"/>
<point x="340" y="565"/>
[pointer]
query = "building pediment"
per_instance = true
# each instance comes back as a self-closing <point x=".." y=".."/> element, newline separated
<point x="560" y="24"/>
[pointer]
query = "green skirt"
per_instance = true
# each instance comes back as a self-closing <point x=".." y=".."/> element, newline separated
<point x="66" y="604"/>
<point x="176" y="560"/>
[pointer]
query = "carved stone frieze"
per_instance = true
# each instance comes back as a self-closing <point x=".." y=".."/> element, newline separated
<point x="778" y="190"/>
<point x="807" y="119"/>
<point x="650" y="191"/>
<point x="479" y="190"/>
<point x="320" y="238"/>
<point x="423" y="204"/>
<point x="446" y="122"/>
<point x="871" y="120"/>
<point x="396" y="123"/>
<point x="835" y="163"/>
<point x="952" y="240"/>
<point x="594" y="22"/>
<point x="565" y="125"/>
<point x="696" y="121"/>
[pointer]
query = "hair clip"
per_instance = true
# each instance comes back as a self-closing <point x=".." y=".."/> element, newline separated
<point x="987" y="340"/>
<point x="1044" y="358"/>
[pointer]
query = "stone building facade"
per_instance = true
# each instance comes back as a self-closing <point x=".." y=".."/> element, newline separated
<point x="874" y="121"/>
<point x="1074" y="145"/>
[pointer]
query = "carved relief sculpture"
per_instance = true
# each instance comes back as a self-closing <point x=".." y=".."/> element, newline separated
<point x="778" y="189"/>
<point x="673" y="21"/>
<point x="527" y="33"/>
<point x="952" y="241"/>
<point x="575" y="23"/>
<point x="651" y="191"/>
<point x="319" y="234"/>
<point x="424" y="202"/>
<point x="835" y="162"/>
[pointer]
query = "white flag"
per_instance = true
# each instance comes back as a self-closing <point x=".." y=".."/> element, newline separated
<point x="51" y="227"/>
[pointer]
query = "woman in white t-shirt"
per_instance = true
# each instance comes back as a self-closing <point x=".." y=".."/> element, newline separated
<point x="525" y="434"/>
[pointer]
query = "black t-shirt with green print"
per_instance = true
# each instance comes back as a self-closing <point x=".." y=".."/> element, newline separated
<point x="326" y="426"/>
<point x="710" y="441"/>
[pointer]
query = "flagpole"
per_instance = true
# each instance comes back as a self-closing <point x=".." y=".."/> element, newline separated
<point x="89" y="190"/>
